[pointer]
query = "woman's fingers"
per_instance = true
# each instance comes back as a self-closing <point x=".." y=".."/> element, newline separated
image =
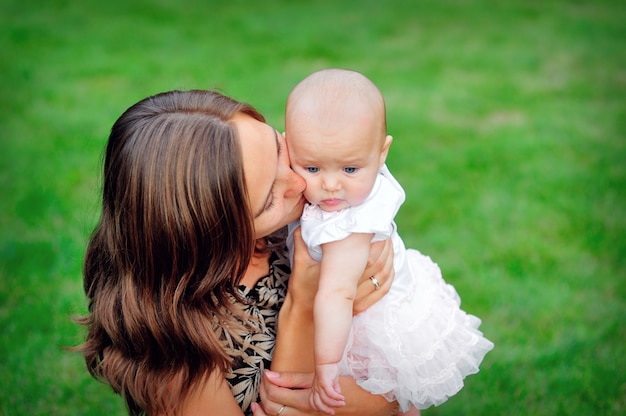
<point x="380" y="262"/>
<point x="377" y="278"/>
<point x="289" y="379"/>
<point x="285" y="389"/>
<point x="257" y="410"/>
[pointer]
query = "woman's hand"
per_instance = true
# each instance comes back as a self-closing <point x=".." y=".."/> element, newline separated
<point x="305" y="271"/>
<point x="379" y="270"/>
<point x="288" y="389"/>
<point x="292" y="390"/>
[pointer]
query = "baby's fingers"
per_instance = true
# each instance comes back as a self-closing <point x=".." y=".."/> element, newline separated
<point x="333" y="397"/>
<point x="318" y="403"/>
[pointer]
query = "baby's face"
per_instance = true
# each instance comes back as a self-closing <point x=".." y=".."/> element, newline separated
<point x="339" y="166"/>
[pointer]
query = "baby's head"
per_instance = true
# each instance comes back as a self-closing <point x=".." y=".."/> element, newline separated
<point x="336" y="133"/>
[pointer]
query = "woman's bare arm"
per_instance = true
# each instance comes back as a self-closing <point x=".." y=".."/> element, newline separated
<point x="212" y="397"/>
<point x="292" y="390"/>
<point x="294" y="345"/>
<point x="294" y="341"/>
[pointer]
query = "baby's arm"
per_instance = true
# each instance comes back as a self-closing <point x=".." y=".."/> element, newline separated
<point x="342" y="265"/>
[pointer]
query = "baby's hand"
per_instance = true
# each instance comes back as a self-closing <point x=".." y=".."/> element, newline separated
<point x="326" y="392"/>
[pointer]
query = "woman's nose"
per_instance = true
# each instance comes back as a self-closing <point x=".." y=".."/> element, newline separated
<point x="295" y="183"/>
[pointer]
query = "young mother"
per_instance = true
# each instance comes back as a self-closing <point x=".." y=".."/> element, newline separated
<point x="187" y="269"/>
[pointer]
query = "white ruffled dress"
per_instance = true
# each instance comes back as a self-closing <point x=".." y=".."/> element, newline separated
<point x="415" y="345"/>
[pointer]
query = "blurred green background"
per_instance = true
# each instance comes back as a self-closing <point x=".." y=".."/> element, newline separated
<point x="509" y="125"/>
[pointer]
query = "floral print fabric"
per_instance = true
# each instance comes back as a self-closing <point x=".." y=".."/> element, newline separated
<point x="252" y="350"/>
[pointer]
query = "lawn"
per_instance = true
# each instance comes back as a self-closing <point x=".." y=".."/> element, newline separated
<point x="509" y="125"/>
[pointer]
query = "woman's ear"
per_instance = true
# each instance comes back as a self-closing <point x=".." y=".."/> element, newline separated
<point x="385" y="150"/>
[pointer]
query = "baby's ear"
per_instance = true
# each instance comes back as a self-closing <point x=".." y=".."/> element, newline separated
<point x="385" y="150"/>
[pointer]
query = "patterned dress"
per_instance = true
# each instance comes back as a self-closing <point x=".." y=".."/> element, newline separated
<point x="252" y="350"/>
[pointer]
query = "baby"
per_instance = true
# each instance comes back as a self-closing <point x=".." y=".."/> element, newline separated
<point x="415" y="345"/>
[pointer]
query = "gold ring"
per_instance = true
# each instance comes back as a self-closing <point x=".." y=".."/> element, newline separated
<point x="281" y="410"/>
<point x="375" y="282"/>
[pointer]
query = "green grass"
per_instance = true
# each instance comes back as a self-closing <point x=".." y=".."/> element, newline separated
<point x="509" y="123"/>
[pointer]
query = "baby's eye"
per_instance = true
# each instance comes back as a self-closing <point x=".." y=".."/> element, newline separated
<point x="312" y="169"/>
<point x="350" y="169"/>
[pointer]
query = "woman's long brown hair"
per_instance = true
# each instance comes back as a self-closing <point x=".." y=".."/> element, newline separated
<point x="174" y="240"/>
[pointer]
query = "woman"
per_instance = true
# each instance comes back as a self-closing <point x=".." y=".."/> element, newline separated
<point x="187" y="268"/>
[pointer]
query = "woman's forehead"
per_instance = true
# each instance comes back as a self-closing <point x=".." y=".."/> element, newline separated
<point x="260" y="158"/>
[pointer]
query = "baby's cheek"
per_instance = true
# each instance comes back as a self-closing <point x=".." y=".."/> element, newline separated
<point x="361" y="196"/>
<point x="309" y="194"/>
